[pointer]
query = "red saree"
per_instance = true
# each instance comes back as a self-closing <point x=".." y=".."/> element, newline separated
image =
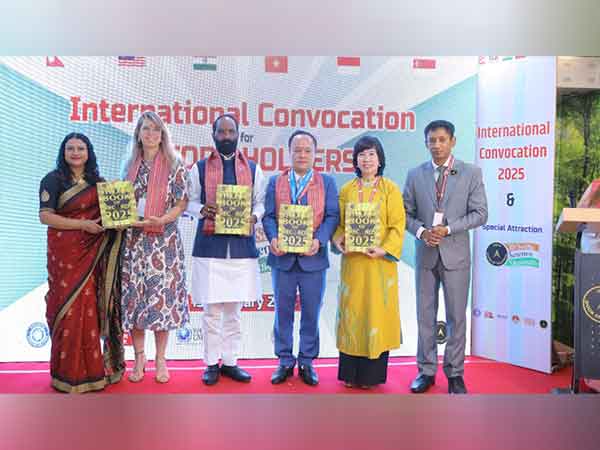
<point x="80" y="305"/>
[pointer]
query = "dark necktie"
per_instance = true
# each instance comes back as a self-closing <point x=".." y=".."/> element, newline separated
<point x="440" y="178"/>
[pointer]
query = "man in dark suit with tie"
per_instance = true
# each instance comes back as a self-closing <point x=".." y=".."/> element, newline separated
<point x="300" y="185"/>
<point x="444" y="198"/>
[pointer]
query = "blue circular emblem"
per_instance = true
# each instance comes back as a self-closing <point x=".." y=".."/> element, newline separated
<point x="38" y="334"/>
<point x="184" y="334"/>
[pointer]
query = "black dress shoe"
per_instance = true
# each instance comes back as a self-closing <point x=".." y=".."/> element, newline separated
<point x="422" y="383"/>
<point x="281" y="374"/>
<point x="235" y="373"/>
<point x="211" y="375"/>
<point x="308" y="375"/>
<point x="456" y="385"/>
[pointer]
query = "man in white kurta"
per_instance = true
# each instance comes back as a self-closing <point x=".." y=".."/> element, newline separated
<point x="225" y="271"/>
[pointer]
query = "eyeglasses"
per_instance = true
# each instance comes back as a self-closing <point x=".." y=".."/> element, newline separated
<point x="366" y="155"/>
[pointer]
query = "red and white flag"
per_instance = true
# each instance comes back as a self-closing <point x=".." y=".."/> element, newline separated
<point x="348" y="65"/>
<point x="276" y="64"/>
<point x="54" y="61"/>
<point x="424" y="63"/>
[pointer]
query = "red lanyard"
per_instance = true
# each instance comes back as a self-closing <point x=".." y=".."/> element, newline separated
<point x="440" y="191"/>
<point x="373" y="191"/>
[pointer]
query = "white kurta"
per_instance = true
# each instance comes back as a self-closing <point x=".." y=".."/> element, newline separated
<point x="223" y="280"/>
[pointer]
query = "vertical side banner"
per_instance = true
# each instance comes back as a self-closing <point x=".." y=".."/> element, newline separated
<point x="513" y="251"/>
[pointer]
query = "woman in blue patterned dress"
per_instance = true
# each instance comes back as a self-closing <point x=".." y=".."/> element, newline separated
<point x="154" y="295"/>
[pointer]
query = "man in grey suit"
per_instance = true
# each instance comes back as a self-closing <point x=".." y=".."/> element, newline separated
<point x="444" y="198"/>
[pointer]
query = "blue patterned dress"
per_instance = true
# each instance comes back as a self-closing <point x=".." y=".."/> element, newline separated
<point x="154" y="295"/>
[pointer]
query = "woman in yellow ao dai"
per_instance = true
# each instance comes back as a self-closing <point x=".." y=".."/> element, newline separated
<point x="368" y="317"/>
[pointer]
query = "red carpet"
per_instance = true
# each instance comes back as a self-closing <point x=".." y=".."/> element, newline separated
<point x="481" y="376"/>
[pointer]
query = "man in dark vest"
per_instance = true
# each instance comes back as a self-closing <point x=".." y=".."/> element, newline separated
<point x="225" y="271"/>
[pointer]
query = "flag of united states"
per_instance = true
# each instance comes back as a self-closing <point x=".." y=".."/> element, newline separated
<point x="132" y="61"/>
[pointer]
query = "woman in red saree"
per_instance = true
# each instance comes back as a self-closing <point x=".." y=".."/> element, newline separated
<point x="82" y="306"/>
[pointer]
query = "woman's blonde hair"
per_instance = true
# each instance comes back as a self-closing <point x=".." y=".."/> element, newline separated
<point x="166" y="147"/>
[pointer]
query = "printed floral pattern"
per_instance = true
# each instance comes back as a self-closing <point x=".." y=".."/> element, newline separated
<point x="154" y="295"/>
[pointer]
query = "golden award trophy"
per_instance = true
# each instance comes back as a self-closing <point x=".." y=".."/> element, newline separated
<point x="117" y="204"/>
<point x="362" y="226"/>
<point x="233" y="209"/>
<point x="295" y="230"/>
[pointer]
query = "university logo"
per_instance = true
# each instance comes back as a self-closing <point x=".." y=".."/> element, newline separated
<point x="477" y="312"/>
<point x="488" y="315"/>
<point x="591" y="303"/>
<point x="441" y="335"/>
<point x="187" y="335"/>
<point x="184" y="335"/>
<point x="496" y="254"/>
<point x="38" y="334"/>
<point x="543" y="324"/>
<point x="516" y="319"/>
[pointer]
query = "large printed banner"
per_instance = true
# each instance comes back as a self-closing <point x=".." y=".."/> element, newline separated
<point x="339" y="99"/>
<point x="513" y="251"/>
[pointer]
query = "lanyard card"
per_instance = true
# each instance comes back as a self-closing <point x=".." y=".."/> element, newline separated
<point x="438" y="218"/>
<point x="141" y="207"/>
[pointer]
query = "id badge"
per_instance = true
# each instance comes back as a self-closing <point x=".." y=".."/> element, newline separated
<point x="438" y="218"/>
<point x="141" y="206"/>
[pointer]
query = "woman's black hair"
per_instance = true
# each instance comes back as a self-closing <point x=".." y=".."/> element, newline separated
<point x="364" y="143"/>
<point x="90" y="171"/>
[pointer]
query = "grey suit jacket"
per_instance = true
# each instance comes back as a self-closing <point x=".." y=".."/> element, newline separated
<point x="464" y="206"/>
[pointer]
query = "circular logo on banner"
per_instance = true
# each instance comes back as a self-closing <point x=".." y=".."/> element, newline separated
<point x="38" y="334"/>
<point x="441" y="335"/>
<point x="591" y="303"/>
<point x="477" y="312"/>
<point x="184" y="334"/>
<point x="496" y="253"/>
<point x="543" y="323"/>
